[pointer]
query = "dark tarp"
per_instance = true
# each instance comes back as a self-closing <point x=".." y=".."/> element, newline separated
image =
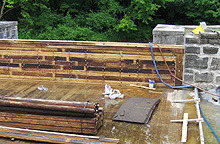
<point x="136" y="109"/>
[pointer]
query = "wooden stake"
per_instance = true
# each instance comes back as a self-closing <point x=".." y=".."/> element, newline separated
<point x="142" y="87"/>
<point x="185" y="126"/>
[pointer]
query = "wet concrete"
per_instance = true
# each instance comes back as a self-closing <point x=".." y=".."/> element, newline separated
<point x="211" y="110"/>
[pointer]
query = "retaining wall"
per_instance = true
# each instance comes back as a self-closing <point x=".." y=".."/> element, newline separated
<point x="202" y="59"/>
<point x="8" y="30"/>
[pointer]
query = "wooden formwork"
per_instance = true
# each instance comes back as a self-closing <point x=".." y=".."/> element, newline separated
<point x="82" y="61"/>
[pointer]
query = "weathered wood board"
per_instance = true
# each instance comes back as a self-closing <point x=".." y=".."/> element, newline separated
<point x="52" y="137"/>
<point x="80" y="61"/>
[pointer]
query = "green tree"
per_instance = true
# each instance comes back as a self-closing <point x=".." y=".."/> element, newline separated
<point x="204" y="10"/>
<point x="7" y="6"/>
<point x="102" y="20"/>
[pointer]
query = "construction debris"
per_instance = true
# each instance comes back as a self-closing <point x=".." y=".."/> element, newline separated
<point x="42" y="88"/>
<point x="112" y="94"/>
<point x="51" y="115"/>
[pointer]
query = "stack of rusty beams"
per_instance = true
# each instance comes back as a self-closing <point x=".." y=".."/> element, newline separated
<point x="53" y="137"/>
<point x="51" y="115"/>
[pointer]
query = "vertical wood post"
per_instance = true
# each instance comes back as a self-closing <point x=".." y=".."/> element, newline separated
<point x="179" y="68"/>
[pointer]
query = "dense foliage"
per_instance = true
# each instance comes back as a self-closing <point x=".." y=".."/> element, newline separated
<point x="104" y="20"/>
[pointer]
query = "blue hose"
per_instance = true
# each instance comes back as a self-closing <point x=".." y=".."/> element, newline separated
<point x="174" y="87"/>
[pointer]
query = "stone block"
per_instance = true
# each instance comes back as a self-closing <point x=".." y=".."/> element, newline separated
<point x="209" y="30"/>
<point x="217" y="79"/>
<point x="188" y="77"/>
<point x="14" y="34"/>
<point x="188" y="71"/>
<point x="180" y="40"/>
<point x="193" y="61"/>
<point x="202" y="85"/>
<point x="204" y="77"/>
<point x="8" y="34"/>
<point x="1" y="35"/>
<point x="215" y="64"/>
<point x="192" y="49"/>
<point x="208" y="35"/>
<point x="191" y="39"/>
<point x="4" y="24"/>
<point x="218" y="32"/>
<point x="210" y="86"/>
<point x="210" y="50"/>
<point x="213" y="41"/>
<point x="203" y="41"/>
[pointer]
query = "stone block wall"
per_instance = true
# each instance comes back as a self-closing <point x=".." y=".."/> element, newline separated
<point x="8" y="30"/>
<point x="202" y="59"/>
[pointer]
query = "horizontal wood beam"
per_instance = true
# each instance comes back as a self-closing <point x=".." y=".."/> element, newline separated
<point x="52" y="137"/>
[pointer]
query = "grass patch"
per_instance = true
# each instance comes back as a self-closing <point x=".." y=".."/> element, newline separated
<point x="216" y="29"/>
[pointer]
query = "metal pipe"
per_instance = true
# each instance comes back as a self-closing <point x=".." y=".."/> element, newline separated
<point x="46" y="112"/>
<point x="202" y="140"/>
<point x="8" y="103"/>
<point x="53" y="102"/>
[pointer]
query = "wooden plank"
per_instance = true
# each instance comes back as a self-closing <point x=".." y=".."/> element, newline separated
<point x="18" y="47"/>
<point x="95" y="81"/>
<point x="92" y="49"/>
<point x="185" y="127"/>
<point x="88" y="72"/>
<point x="93" y="64"/>
<point x="48" y="122"/>
<point x="83" y="55"/>
<point x="111" y="50"/>
<point x="86" y="43"/>
<point x="45" y="74"/>
<point x="52" y="137"/>
<point x="52" y="123"/>
<point x="92" y="131"/>
<point x="51" y="117"/>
